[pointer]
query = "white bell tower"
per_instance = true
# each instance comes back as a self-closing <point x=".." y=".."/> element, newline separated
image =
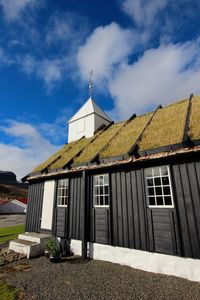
<point x="87" y="119"/>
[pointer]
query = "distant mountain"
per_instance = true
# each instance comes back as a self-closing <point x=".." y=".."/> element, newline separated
<point x="7" y="176"/>
<point x="10" y="188"/>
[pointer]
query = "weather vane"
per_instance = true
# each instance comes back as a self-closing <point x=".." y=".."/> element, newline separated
<point x="90" y="83"/>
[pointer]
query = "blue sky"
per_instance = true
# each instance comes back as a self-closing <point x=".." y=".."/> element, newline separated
<point x="143" y="53"/>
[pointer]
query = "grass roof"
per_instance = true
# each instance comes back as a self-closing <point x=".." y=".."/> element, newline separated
<point x="96" y="145"/>
<point x="53" y="157"/>
<point x="194" y="131"/>
<point x="66" y="156"/>
<point x="127" y="137"/>
<point x="166" y="127"/>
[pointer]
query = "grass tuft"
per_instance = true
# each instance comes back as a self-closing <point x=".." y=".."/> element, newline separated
<point x="52" y="158"/>
<point x="68" y="155"/>
<point x="166" y="127"/>
<point x="194" y="131"/>
<point x="10" y="233"/>
<point x="126" y="138"/>
<point x="8" y="292"/>
<point x="96" y="145"/>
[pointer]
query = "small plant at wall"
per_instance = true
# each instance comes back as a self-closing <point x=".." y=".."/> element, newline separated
<point x="53" y="247"/>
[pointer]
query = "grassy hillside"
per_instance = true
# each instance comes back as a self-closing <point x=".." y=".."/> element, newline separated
<point x="10" y="191"/>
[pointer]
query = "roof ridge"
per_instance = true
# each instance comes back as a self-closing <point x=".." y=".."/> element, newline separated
<point x="186" y="137"/>
<point x="135" y="145"/>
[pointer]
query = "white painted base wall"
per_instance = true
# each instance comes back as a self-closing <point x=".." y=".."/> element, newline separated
<point x="151" y="262"/>
<point x="76" y="246"/>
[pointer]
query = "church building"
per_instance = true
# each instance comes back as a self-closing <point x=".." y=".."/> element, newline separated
<point x="126" y="192"/>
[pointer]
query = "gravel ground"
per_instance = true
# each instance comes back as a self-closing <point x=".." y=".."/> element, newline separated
<point x="77" y="279"/>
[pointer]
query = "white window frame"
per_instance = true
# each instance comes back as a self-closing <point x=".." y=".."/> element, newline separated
<point x="66" y="193"/>
<point x="161" y="186"/>
<point x="98" y="189"/>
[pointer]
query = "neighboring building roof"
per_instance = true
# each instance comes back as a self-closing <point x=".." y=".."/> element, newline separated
<point x="175" y="126"/>
<point x="90" y="107"/>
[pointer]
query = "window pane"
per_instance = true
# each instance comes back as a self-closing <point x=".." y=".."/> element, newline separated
<point x="156" y="171"/>
<point x="151" y="200"/>
<point x="168" y="200"/>
<point x="159" y="200"/>
<point x="101" y="200"/>
<point x="148" y="172"/>
<point x="158" y="191"/>
<point x="106" y="189"/>
<point x="165" y="180"/>
<point x="157" y="181"/>
<point x="101" y="190"/>
<point x="101" y="180"/>
<point x="106" y="200"/>
<point x="151" y="191"/>
<point x="166" y="190"/>
<point x="164" y="171"/>
<point x="106" y="181"/>
<point x="150" y="182"/>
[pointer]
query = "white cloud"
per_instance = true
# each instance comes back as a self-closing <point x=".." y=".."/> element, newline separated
<point x="49" y="70"/>
<point x="30" y="148"/>
<point x="160" y="76"/>
<point x="13" y="8"/>
<point x="104" y="48"/>
<point x="66" y="29"/>
<point x="143" y="12"/>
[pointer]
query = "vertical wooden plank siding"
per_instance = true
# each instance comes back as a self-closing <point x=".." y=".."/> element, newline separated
<point x="34" y="209"/>
<point x="113" y="207"/>
<point x="187" y="192"/>
<point x="135" y="211"/>
<point x="128" y="216"/>
<point x="75" y="230"/>
<point x="142" y="209"/>
<point x="130" y="210"/>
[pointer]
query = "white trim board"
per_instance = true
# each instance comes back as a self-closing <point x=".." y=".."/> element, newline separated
<point x="187" y="268"/>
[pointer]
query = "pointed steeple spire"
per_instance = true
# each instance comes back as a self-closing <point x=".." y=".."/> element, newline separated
<point x="90" y="83"/>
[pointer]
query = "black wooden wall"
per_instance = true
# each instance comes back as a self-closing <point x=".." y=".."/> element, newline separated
<point x="128" y="211"/>
<point x="186" y="178"/>
<point x="131" y="223"/>
<point x="34" y="207"/>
